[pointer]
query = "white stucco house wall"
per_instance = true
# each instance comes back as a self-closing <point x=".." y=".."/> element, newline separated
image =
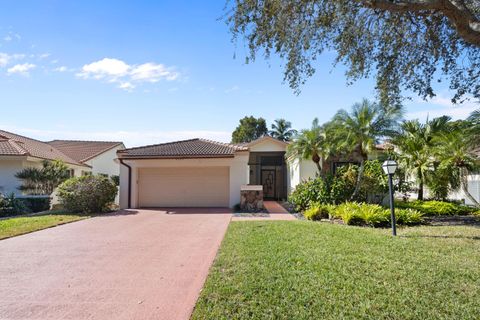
<point x="473" y="189"/>
<point x="98" y="155"/>
<point x="198" y="172"/>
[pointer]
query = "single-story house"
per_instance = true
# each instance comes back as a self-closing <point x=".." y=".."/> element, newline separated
<point x="82" y="157"/>
<point x="198" y="172"/>
<point x="99" y="155"/>
<point x="18" y="152"/>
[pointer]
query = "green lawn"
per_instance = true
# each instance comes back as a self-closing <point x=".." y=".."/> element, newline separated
<point x="307" y="270"/>
<point x="19" y="225"/>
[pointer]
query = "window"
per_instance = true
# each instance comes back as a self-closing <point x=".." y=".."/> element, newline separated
<point x="71" y="173"/>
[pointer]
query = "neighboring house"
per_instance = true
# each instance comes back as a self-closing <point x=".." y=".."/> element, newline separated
<point x="204" y="173"/>
<point x="99" y="155"/>
<point x="18" y="152"/>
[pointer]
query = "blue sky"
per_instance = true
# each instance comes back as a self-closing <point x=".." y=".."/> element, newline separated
<point x="153" y="71"/>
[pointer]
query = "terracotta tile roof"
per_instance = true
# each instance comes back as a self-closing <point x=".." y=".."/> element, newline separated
<point x="194" y="148"/>
<point x="82" y="151"/>
<point x="16" y="145"/>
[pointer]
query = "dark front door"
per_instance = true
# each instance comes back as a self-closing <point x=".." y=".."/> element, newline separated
<point x="268" y="182"/>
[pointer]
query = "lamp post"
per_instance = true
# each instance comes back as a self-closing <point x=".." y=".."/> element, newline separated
<point x="389" y="167"/>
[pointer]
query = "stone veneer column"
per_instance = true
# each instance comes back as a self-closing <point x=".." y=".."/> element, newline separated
<point x="251" y="198"/>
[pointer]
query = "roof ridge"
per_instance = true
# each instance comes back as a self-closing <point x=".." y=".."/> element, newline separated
<point x="96" y="141"/>
<point x="15" y="140"/>
<point x="225" y="144"/>
<point x="19" y="135"/>
<point x="158" y="144"/>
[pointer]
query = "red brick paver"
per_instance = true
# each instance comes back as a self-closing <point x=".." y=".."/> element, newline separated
<point x="274" y="207"/>
<point x="146" y="264"/>
<point x="275" y="211"/>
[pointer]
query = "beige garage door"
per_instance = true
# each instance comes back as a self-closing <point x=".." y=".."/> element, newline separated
<point x="183" y="187"/>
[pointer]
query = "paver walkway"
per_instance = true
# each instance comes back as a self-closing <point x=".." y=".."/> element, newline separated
<point x="275" y="211"/>
<point x="145" y="264"/>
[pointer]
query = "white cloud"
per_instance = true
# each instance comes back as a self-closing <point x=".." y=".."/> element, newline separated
<point x="126" y="86"/>
<point x="11" y="36"/>
<point x="62" y="69"/>
<point x="152" y="72"/>
<point x="104" y="68"/>
<point x="232" y="89"/>
<point x="22" y="69"/>
<point x="44" y="55"/>
<point x="130" y="138"/>
<point x="441" y="105"/>
<point x="117" y="71"/>
<point x="6" y="58"/>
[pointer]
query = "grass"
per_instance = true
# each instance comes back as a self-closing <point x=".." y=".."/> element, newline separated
<point x="24" y="224"/>
<point x="307" y="270"/>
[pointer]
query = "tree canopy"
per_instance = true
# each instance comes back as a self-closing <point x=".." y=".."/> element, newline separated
<point x="408" y="44"/>
<point x="249" y="129"/>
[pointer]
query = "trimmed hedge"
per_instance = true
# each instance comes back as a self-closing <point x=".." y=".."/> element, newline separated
<point x="11" y="206"/>
<point x="36" y="203"/>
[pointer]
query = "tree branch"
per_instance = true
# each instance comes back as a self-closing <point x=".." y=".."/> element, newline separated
<point x="464" y="20"/>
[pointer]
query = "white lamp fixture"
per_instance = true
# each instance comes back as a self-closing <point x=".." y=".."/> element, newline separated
<point x="389" y="166"/>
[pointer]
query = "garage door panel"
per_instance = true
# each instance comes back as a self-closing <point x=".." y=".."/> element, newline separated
<point x="183" y="187"/>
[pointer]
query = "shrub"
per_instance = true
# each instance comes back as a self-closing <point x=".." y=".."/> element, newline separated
<point x="353" y="213"/>
<point x="87" y="194"/>
<point x="434" y="207"/>
<point x="438" y="208"/>
<point x="318" y="211"/>
<point x="36" y="204"/>
<point x="374" y="182"/>
<point x="349" y="213"/>
<point x="10" y="205"/>
<point x="408" y="216"/>
<point x="308" y="192"/>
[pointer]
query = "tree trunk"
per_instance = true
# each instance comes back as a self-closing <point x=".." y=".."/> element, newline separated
<point x="359" y="180"/>
<point x="319" y="168"/>
<point x="420" y="184"/>
<point x="316" y="158"/>
<point x="464" y="182"/>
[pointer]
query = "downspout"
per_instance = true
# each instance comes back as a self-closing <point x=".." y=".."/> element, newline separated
<point x="129" y="183"/>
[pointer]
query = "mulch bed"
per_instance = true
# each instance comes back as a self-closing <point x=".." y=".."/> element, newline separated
<point x="469" y="220"/>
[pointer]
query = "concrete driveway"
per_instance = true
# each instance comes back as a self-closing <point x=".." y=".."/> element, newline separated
<point x="145" y="264"/>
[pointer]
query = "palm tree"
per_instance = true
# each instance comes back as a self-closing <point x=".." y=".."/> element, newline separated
<point x="415" y="143"/>
<point x="362" y="128"/>
<point x="309" y="144"/>
<point x="44" y="180"/>
<point x="456" y="154"/>
<point x="474" y="129"/>
<point x="415" y="146"/>
<point x="282" y="130"/>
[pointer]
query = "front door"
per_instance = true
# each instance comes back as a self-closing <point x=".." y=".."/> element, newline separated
<point x="268" y="182"/>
